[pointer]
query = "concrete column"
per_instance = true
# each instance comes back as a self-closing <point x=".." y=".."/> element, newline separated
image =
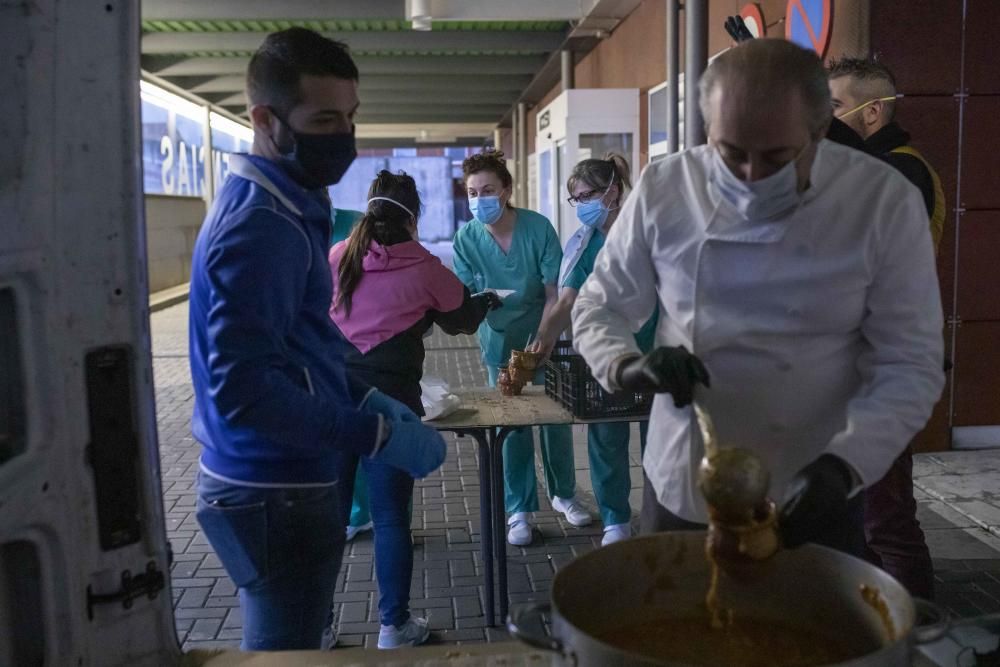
<point x="209" y="164"/>
<point x="522" y="153"/>
<point x="496" y="138"/>
<point x="695" y="60"/>
<point x="515" y="156"/>
<point x="568" y="69"/>
<point x="673" y="71"/>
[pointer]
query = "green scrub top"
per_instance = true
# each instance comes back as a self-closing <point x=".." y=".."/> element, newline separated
<point x="645" y="337"/>
<point x="342" y="221"/>
<point x="531" y="264"/>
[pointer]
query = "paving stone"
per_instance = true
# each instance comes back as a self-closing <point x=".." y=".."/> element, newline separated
<point x="353" y="612"/>
<point x="200" y="612"/>
<point x="467" y="606"/>
<point x="204" y="628"/>
<point x="356" y="628"/>
<point x="234" y="619"/>
<point x="350" y="640"/>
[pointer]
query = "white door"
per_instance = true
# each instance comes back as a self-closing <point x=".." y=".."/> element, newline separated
<point x="83" y="552"/>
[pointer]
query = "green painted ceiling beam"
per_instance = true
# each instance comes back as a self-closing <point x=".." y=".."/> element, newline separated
<point x="464" y="83"/>
<point x="169" y="66"/>
<point x="410" y="40"/>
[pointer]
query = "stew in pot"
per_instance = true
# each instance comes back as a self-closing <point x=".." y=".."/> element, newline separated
<point x="741" y="643"/>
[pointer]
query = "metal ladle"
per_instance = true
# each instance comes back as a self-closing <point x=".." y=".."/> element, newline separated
<point x="733" y="480"/>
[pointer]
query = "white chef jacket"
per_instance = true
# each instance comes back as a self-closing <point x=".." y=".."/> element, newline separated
<point x="822" y="332"/>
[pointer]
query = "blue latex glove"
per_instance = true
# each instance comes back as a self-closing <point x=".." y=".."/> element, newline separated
<point x="415" y="449"/>
<point x="375" y="402"/>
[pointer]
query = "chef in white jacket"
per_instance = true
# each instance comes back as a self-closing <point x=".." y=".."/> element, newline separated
<point x="795" y="277"/>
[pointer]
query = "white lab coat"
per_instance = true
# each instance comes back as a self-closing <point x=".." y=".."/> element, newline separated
<point x="822" y="332"/>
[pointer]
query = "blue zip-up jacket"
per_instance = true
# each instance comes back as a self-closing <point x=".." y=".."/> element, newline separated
<point x="273" y="402"/>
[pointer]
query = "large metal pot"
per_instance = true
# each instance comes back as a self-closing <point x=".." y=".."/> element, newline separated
<point x="667" y="574"/>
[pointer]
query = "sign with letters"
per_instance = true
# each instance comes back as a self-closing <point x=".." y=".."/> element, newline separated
<point x="173" y="144"/>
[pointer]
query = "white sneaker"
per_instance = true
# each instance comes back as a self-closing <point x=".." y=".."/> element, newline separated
<point x="520" y="529"/>
<point x="352" y="531"/>
<point x="411" y="633"/>
<point x="616" y="532"/>
<point x="572" y="510"/>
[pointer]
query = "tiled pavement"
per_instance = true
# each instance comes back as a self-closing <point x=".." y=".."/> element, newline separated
<point x="959" y="496"/>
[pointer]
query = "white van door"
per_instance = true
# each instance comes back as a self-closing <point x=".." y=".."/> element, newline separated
<point x="84" y="558"/>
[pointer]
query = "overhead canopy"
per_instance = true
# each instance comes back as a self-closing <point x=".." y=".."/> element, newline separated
<point x="451" y="84"/>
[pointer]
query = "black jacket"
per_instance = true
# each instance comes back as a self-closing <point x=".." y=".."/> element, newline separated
<point x="397" y="365"/>
<point x="893" y="136"/>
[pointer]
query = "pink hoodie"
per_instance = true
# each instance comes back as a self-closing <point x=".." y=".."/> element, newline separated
<point x="400" y="284"/>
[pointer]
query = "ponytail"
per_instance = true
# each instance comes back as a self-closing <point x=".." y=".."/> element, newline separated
<point x="384" y="222"/>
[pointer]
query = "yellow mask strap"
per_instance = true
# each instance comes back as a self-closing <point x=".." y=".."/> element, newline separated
<point x="862" y="106"/>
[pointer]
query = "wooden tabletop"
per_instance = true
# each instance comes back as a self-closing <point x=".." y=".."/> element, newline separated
<point x="486" y="407"/>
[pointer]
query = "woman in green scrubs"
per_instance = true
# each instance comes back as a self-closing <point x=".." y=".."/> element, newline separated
<point x="597" y="188"/>
<point x="508" y="248"/>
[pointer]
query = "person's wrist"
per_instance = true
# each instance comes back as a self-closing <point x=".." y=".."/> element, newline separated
<point x="619" y="367"/>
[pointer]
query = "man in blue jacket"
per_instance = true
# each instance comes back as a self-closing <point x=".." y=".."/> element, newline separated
<point x="274" y="410"/>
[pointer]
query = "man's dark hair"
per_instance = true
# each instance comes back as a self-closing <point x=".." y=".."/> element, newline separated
<point x="862" y="69"/>
<point x="869" y="80"/>
<point x="276" y="69"/>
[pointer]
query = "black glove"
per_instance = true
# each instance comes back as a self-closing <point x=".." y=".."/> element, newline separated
<point x="673" y="370"/>
<point x="737" y="29"/>
<point x="816" y="495"/>
<point x="487" y="301"/>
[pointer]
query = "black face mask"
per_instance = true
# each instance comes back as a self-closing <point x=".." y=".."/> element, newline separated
<point x="317" y="160"/>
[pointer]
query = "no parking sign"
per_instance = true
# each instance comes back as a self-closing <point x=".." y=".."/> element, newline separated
<point x="808" y="23"/>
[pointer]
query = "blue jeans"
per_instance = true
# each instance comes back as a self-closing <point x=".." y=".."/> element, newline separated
<point x="390" y="492"/>
<point x="282" y="548"/>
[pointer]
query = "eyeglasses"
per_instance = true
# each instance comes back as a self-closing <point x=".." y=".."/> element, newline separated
<point x="584" y="197"/>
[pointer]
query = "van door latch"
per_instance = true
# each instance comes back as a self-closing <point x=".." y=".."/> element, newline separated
<point x="148" y="583"/>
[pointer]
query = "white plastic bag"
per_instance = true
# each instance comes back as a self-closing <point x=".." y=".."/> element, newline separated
<point x="437" y="399"/>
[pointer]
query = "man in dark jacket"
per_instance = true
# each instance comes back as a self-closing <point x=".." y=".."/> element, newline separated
<point x="275" y="411"/>
<point x="864" y="98"/>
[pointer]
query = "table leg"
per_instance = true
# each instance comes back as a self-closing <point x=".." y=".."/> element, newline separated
<point x="500" y="523"/>
<point x="486" y="519"/>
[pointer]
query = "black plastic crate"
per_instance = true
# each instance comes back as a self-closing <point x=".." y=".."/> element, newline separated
<point x="568" y="381"/>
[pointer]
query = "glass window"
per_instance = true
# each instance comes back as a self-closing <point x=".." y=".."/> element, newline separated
<point x="228" y="137"/>
<point x="658" y="116"/>
<point x="13" y="414"/>
<point x="173" y="144"/>
<point x="596" y="145"/>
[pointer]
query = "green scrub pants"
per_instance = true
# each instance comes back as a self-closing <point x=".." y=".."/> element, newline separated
<point x="607" y="448"/>
<point x="360" y="514"/>
<point x="519" y="481"/>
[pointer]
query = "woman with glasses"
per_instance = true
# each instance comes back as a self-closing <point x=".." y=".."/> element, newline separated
<point x="596" y="189"/>
<point x="508" y="248"/>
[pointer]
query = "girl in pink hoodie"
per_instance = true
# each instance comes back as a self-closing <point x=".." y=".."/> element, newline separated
<point x="388" y="291"/>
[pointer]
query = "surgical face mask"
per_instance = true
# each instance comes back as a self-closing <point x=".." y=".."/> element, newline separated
<point x="594" y="213"/>
<point x="766" y="199"/>
<point x="487" y="210"/>
<point x="317" y="160"/>
<point x="862" y="106"/>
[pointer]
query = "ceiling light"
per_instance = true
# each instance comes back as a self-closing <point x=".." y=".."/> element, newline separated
<point x="419" y="12"/>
